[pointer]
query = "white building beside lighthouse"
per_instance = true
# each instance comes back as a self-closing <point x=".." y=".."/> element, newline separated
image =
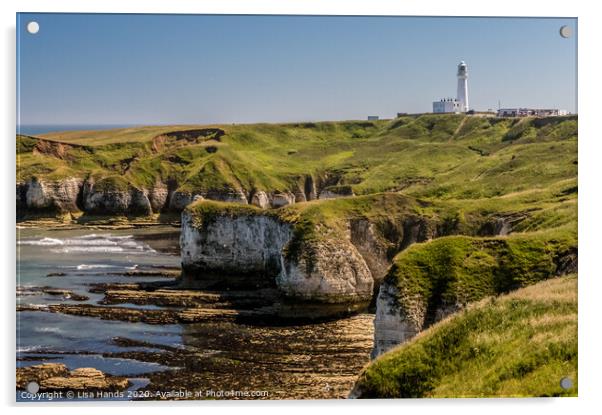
<point x="446" y="105"/>
<point x="460" y="103"/>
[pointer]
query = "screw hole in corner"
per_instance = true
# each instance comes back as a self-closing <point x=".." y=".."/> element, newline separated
<point x="33" y="27"/>
<point x="566" y="32"/>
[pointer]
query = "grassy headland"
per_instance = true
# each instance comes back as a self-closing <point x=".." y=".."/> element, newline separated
<point x="430" y="156"/>
<point x="520" y="344"/>
<point x="454" y="271"/>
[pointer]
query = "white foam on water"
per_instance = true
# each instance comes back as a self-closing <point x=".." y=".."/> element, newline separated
<point x="83" y="267"/>
<point x="92" y="243"/>
<point x="41" y="242"/>
<point x="26" y="349"/>
<point x="37" y="306"/>
<point x="108" y="249"/>
<point x="48" y="329"/>
<point x="25" y="286"/>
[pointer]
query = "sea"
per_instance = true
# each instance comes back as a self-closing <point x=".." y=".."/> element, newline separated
<point x="79" y="258"/>
<point x="317" y="360"/>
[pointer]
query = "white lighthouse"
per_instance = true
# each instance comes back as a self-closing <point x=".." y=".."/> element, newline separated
<point x="462" y="96"/>
<point x="460" y="103"/>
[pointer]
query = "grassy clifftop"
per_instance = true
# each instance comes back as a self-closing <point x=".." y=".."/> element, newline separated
<point x="430" y="156"/>
<point x="520" y="344"/>
<point x="330" y="218"/>
<point x="456" y="270"/>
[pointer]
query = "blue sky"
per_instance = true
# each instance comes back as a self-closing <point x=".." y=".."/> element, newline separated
<point x="157" y="69"/>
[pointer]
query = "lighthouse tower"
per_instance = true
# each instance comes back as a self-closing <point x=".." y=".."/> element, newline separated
<point x="462" y="96"/>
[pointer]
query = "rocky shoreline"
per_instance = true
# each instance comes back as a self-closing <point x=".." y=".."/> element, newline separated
<point x="296" y="353"/>
<point x="321" y="368"/>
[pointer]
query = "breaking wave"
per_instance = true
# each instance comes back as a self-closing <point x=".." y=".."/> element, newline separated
<point x="48" y="329"/>
<point x="83" y="267"/>
<point x="26" y="349"/>
<point x="41" y="242"/>
<point x="93" y="243"/>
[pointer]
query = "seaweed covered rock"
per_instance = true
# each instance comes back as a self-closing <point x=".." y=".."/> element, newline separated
<point x="56" y="377"/>
<point x="38" y="373"/>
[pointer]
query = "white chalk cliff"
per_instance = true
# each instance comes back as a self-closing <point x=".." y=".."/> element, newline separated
<point x="329" y="270"/>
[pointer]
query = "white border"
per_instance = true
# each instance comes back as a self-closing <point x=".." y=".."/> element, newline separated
<point x="590" y="154"/>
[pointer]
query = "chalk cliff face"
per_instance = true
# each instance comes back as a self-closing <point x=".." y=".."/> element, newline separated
<point x="260" y="199"/>
<point x="180" y="199"/>
<point x="335" y="192"/>
<point x="378" y="244"/>
<point x="329" y="270"/>
<point x="61" y="196"/>
<point x="75" y="194"/>
<point x="280" y="199"/>
<point x="243" y="244"/>
<point x="157" y="197"/>
<point x="394" y="325"/>
<point x="226" y="195"/>
<point x="98" y="196"/>
<point x="102" y="200"/>
<point x="371" y="246"/>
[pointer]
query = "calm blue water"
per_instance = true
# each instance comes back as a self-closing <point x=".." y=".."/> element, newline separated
<point x="85" y="257"/>
<point x="49" y="128"/>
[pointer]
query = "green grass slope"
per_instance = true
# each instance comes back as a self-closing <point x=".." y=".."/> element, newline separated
<point x="453" y="271"/>
<point x="520" y="344"/>
<point x="428" y="156"/>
